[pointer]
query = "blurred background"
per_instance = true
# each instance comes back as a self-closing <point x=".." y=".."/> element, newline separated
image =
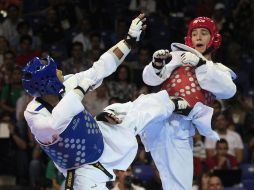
<point x="75" y="33"/>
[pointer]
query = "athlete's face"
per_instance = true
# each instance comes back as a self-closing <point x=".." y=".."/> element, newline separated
<point x="59" y="75"/>
<point x="200" y="38"/>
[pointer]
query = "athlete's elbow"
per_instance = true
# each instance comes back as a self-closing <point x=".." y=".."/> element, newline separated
<point x="231" y="92"/>
<point x="228" y="93"/>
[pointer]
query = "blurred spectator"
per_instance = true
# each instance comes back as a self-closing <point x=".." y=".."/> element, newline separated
<point x="83" y="36"/>
<point x="144" y="89"/>
<point x="221" y="160"/>
<point x="143" y="58"/>
<point x="5" y="4"/>
<point x="31" y="7"/>
<point x="234" y="140"/>
<point x="236" y="111"/>
<point x="7" y="151"/>
<point x="4" y="46"/>
<point x="6" y="68"/>
<point x="242" y="14"/>
<point x="199" y="147"/>
<point x="56" y="177"/>
<point x="113" y="100"/>
<point x="225" y="24"/>
<point x="8" y="27"/>
<point x="120" y="30"/>
<point x="37" y="167"/>
<point x="251" y="149"/>
<point x="125" y="181"/>
<point x="25" y="51"/>
<point x="218" y="15"/>
<point x="204" y="181"/>
<point x="122" y="87"/>
<point x="244" y="70"/>
<point x="77" y="62"/>
<point x="22" y="153"/>
<point x="51" y="31"/>
<point x="217" y="109"/>
<point x="142" y="158"/>
<point x="248" y="108"/>
<point x="23" y="28"/>
<point x="68" y="12"/>
<point x="144" y="6"/>
<point x="10" y="94"/>
<point x="231" y="123"/>
<point x="97" y="47"/>
<point x="241" y="115"/>
<point x="214" y="183"/>
<point x="199" y="155"/>
<point x="14" y="153"/>
<point x="204" y="8"/>
<point x="59" y="52"/>
<point x="155" y="182"/>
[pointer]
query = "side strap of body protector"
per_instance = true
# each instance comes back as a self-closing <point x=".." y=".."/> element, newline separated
<point x="69" y="179"/>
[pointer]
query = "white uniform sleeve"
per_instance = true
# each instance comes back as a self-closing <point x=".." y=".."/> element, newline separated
<point x="47" y="127"/>
<point x="150" y="77"/>
<point x="216" y="80"/>
<point x="102" y="68"/>
<point x="199" y="116"/>
<point x="120" y="109"/>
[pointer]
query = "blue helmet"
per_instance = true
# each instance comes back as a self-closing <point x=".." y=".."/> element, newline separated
<point x="40" y="79"/>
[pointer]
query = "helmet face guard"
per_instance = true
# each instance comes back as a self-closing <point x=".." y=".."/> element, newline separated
<point x="204" y="22"/>
<point x="40" y="79"/>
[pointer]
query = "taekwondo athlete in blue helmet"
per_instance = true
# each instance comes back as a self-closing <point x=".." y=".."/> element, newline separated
<point x="81" y="149"/>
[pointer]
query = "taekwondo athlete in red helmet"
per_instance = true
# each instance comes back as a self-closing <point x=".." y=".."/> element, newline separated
<point x="188" y="72"/>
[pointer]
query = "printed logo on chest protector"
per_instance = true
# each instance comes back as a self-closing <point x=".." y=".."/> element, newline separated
<point x="75" y="123"/>
<point x="183" y="83"/>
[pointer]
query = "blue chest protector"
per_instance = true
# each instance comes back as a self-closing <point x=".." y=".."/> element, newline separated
<point x="80" y="143"/>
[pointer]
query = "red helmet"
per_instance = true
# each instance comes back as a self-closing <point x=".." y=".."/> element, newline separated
<point x="204" y="22"/>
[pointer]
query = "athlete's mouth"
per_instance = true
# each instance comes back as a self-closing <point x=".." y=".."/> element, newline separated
<point x="199" y="45"/>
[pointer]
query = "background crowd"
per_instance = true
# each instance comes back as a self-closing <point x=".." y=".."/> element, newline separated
<point x="75" y="33"/>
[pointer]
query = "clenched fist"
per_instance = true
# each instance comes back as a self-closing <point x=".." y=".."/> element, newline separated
<point x="160" y="57"/>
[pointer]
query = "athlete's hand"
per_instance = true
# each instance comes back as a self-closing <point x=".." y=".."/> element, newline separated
<point x="108" y="116"/>
<point x="189" y="58"/>
<point x="137" y="27"/>
<point x="160" y="58"/>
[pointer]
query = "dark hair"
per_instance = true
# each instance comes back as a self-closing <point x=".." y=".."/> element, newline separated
<point x="75" y="44"/>
<point x="95" y="34"/>
<point x="26" y="37"/>
<point x="217" y="102"/>
<point x="22" y="24"/>
<point x="222" y="141"/>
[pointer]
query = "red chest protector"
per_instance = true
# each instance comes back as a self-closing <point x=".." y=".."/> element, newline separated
<point x="183" y="83"/>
